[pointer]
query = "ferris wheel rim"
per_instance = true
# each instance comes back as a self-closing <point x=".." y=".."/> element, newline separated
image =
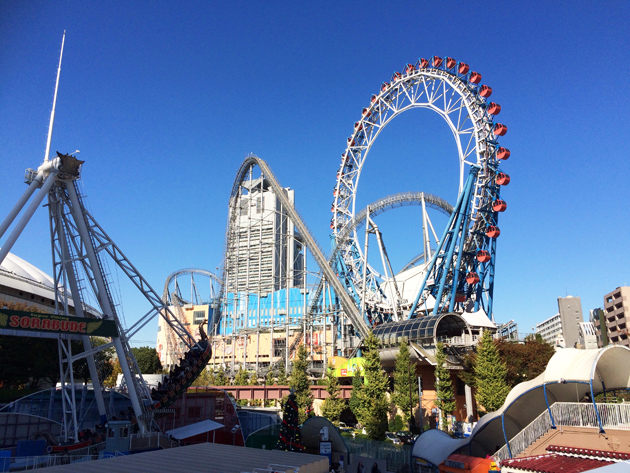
<point x="482" y="141"/>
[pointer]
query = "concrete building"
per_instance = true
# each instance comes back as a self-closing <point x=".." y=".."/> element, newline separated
<point x="551" y="330"/>
<point x="616" y="312"/>
<point x="563" y="328"/>
<point x="570" y="309"/>
<point x="264" y="247"/>
<point x="169" y="347"/>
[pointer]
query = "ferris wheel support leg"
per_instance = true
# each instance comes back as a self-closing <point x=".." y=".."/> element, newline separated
<point x="460" y="252"/>
<point x="106" y="305"/>
<point x="18" y="206"/>
<point x="8" y="244"/>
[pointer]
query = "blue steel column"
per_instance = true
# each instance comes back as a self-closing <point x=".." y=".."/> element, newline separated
<point x="599" y="419"/>
<point x="462" y="229"/>
<point x="507" y="442"/>
<point x="553" y="424"/>
<point x="449" y="257"/>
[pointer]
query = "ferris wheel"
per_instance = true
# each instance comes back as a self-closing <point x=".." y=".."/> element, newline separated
<point x="461" y="271"/>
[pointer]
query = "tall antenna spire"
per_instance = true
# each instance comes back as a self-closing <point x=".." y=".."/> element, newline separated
<point x="52" y="114"/>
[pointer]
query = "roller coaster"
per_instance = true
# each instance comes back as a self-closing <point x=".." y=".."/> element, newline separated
<point x="350" y="298"/>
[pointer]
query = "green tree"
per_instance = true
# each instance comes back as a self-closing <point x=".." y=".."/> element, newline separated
<point x="300" y="383"/>
<point x="242" y="377"/>
<point x="443" y="386"/>
<point x="405" y="395"/>
<point x="269" y="381"/>
<point x="148" y="360"/>
<point x="221" y="378"/>
<point x="333" y="405"/>
<point x="490" y="373"/>
<point x="110" y="381"/>
<point x="373" y="397"/>
<point x="205" y="378"/>
<point x="283" y="379"/>
<point x="102" y="359"/>
<point x="356" y="397"/>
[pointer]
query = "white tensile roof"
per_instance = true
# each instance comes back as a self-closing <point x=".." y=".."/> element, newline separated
<point x="567" y="378"/>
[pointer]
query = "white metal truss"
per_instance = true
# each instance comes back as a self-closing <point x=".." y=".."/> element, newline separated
<point x="372" y="294"/>
<point x="452" y="96"/>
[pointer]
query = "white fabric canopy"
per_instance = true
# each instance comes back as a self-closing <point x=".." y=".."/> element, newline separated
<point x="567" y="378"/>
<point x="194" y="429"/>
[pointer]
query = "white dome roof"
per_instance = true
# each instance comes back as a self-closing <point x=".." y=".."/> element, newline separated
<point x="17" y="266"/>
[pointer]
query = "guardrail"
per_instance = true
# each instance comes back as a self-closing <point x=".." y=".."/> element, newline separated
<point x="568" y="414"/>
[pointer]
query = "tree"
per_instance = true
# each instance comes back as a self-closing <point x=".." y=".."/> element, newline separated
<point x="333" y="405"/>
<point x="405" y="395"/>
<point x="373" y="404"/>
<point x="356" y="397"/>
<point x="205" y="378"/>
<point x="300" y="383"/>
<point x="443" y="386"/>
<point x="490" y="373"/>
<point x="221" y="378"/>
<point x="110" y="381"/>
<point x="242" y="377"/>
<point x="290" y="438"/>
<point x="103" y="360"/>
<point x="148" y="360"/>
<point x="283" y="380"/>
<point x="269" y="380"/>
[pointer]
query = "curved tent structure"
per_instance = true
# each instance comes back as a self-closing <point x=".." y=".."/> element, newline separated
<point x="571" y="375"/>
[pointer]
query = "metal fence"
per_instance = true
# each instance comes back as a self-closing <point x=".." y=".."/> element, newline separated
<point x="568" y="414"/>
<point x="396" y="456"/>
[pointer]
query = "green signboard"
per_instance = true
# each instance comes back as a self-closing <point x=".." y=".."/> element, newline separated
<point x="32" y="321"/>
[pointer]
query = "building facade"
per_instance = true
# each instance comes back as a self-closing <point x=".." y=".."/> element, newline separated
<point x="563" y="328"/>
<point x="616" y="313"/>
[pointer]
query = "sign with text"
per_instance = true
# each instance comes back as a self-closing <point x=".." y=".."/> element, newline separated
<point x="36" y="322"/>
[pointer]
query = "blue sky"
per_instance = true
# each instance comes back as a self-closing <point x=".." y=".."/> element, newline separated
<point x="166" y="99"/>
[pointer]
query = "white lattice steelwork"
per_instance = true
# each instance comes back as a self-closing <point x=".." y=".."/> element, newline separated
<point x="447" y="88"/>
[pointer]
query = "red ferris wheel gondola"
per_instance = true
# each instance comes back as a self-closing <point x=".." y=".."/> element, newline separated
<point x="499" y="205"/>
<point x="493" y="231"/>
<point x="472" y="278"/>
<point x="483" y="256"/>
<point x="503" y="179"/>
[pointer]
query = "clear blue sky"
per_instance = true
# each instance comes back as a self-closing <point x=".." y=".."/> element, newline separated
<point x="165" y="99"/>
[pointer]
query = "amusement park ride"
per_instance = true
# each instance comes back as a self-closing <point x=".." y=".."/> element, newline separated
<point x="458" y="272"/>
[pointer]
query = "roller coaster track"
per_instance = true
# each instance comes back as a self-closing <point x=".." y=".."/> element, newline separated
<point x="382" y="205"/>
<point x="347" y="303"/>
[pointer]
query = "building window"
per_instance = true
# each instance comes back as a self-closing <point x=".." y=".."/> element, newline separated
<point x="198" y="317"/>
